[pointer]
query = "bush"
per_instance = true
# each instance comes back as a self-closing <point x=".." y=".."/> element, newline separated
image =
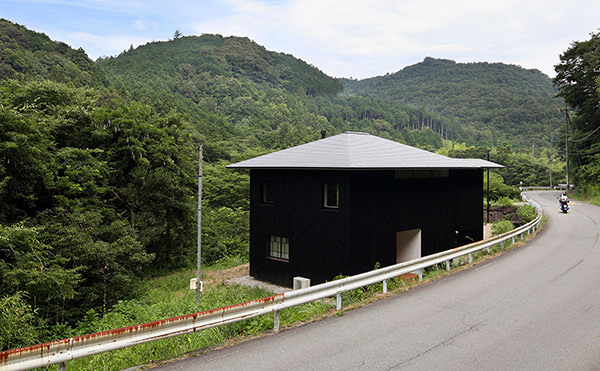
<point x="526" y="213"/>
<point x="504" y="201"/>
<point x="498" y="188"/>
<point x="502" y="226"/>
<point x="225" y="232"/>
<point x="18" y="323"/>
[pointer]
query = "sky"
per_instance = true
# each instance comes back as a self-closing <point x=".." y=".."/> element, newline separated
<point x="343" y="38"/>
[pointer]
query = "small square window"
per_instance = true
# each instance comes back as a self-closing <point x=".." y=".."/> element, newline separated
<point x="266" y="193"/>
<point x="279" y="247"/>
<point x="331" y="195"/>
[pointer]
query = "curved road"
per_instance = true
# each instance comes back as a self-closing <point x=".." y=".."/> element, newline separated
<point x="536" y="307"/>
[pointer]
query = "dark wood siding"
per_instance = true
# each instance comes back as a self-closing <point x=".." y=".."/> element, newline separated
<point x="361" y="233"/>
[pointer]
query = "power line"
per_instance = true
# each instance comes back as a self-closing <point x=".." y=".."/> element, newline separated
<point x="585" y="153"/>
<point x="581" y="140"/>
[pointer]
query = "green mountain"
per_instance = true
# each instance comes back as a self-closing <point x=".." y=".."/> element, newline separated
<point x="99" y="160"/>
<point x="494" y="102"/>
<point x="185" y="59"/>
<point x="25" y="53"/>
<point x="241" y="95"/>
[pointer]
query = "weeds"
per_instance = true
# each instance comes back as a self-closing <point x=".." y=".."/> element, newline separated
<point x="169" y="296"/>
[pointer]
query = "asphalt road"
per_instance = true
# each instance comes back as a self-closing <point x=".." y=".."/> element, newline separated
<point x="536" y="307"/>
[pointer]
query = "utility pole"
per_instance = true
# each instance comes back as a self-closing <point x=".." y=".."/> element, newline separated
<point x="567" y="144"/>
<point x="550" y="172"/>
<point x="488" y="188"/>
<point x="199" y="256"/>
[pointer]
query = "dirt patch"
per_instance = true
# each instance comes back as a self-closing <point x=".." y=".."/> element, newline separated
<point x="215" y="277"/>
<point x="236" y="276"/>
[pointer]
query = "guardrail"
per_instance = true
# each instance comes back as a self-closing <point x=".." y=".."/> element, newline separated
<point x="560" y="187"/>
<point x="61" y="351"/>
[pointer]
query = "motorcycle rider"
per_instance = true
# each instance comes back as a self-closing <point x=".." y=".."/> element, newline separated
<point x="563" y="199"/>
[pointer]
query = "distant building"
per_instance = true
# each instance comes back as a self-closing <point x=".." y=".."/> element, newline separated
<point x="343" y="204"/>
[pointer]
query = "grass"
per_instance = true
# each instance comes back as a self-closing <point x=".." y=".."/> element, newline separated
<point x="169" y="296"/>
<point x="591" y="195"/>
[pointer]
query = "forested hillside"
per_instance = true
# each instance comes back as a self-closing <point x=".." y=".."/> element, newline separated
<point x="494" y="102"/>
<point x="241" y="95"/>
<point x="99" y="160"/>
<point x="26" y="53"/>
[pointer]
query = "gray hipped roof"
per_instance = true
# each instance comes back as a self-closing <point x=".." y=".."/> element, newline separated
<point x="360" y="151"/>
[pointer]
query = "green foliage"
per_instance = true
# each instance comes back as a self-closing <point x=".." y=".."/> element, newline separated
<point x="495" y="102"/>
<point x="504" y="201"/>
<point x="577" y="81"/>
<point x="29" y="265"/>
<point x="98" y="176"/>
<point x="33" y="55"/>
<point x="223" y="187"/>
<point x="225" y="232"/>
<point x="518" y="167"/>
<point x="197" y="61"/>
<point x="241" y="95"/>
<point x="498" y="189"/>
<point x="91" y="196"/>
<point x="589" y="194"/>
<point x="19" y="325"/>
<point x="168" y="297"/>
<point x="229" y="261"/>
<point x="526" y="213"/>
<point x="502" y="226"/>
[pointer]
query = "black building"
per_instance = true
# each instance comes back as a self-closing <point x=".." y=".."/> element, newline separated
<point x="343" y="204"/>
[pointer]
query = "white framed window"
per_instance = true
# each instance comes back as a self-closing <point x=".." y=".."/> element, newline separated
<point x="331" y="195"/>
<point x="279" y="247"/>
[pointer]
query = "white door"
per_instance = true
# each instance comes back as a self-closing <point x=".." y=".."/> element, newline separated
<point x="408" y="245"/>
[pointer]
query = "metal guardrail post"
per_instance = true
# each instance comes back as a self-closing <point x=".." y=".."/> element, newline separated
<point x="421" y="275"/>
<point x="447" y="265"/>
<point x="276" y="321"/>
<point x="384" y="283"/>
<point x="470" y="258"/>
<point x="338" y="302"/>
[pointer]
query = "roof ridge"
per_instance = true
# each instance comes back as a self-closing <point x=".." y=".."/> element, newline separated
<point x="357" y="150"/>
<point x="357" y="132"/>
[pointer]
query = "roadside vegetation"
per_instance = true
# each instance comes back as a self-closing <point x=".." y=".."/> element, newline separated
<point x="99" y="165"/>
<point x="590" y="194"/>
<point x="168" y="296"/>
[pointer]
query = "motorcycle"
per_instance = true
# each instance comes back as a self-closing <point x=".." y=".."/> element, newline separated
<point x="564" y="206"/>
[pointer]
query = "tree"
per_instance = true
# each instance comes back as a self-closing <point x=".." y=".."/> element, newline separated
<point x="177" y="35"/>
<point x="19" y="325"/>
<point x="577" y="78"/>
<point x="90" y="196"/>
<point x="29" y="265"/>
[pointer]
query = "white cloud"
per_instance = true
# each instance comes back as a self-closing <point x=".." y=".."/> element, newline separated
<point x="341" y="37"/>
<point x="363" y="33"/>
<point x="103" y="45"/>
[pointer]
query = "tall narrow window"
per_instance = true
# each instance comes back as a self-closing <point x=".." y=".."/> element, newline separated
<point x="331" y="195"/>
<point x="279" y="247"/>
<point x="267" y="193"/>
